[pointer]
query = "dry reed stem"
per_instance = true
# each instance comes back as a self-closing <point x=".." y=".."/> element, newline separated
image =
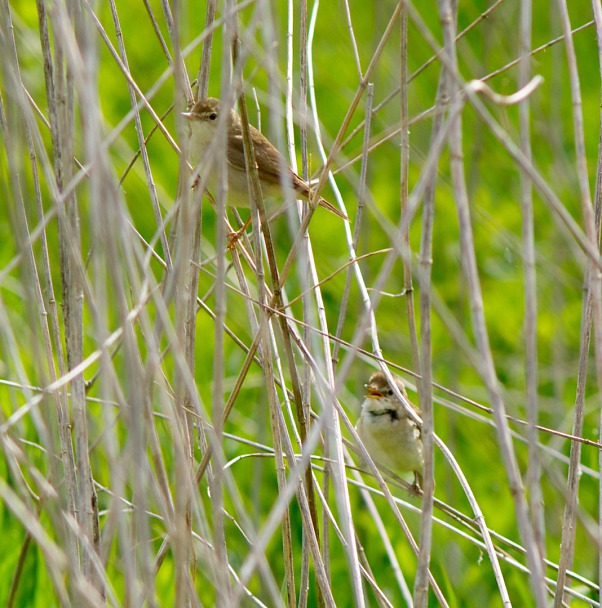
<point x="136" y="324"/>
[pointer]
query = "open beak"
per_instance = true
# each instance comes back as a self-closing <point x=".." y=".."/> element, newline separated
<point x="372" y="392"/>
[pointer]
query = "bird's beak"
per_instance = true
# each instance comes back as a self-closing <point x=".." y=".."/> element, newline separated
<point x="188" y="115"/>
<point x="372" y="392"/>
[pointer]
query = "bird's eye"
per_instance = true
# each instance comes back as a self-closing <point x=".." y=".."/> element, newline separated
<point x="212" y="116"/>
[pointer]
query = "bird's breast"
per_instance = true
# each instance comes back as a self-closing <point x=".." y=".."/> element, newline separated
<point x="201" y="137"/>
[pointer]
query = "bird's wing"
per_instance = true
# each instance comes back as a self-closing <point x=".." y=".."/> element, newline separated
<point x="268" y="158"/>
<point x="271" y="163"/>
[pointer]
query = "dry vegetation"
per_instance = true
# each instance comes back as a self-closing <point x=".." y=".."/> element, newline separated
<point x="177" y="417"/>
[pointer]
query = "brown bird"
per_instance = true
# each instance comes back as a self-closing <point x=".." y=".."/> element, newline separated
<point x="389" y="435"/>
<point x="272" y="168"/>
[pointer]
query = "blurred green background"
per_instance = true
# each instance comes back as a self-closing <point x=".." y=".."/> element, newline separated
<point x="493" y="180"/>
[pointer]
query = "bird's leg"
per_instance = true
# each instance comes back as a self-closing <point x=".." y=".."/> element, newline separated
<point x="234" y="236"/>
<point x="417" y="485"/>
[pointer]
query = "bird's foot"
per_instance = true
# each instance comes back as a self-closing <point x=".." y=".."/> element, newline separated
<point x="233" y="237"/>
<point x="416" y="487"/>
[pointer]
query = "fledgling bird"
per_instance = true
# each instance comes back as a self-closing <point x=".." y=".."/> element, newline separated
<point x="272" y="168"/>
<point x="389" y="435"/>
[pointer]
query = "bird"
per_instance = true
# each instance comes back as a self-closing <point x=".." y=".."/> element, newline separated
<point x="203" y="120"/>
<point x="390" y="436"/>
